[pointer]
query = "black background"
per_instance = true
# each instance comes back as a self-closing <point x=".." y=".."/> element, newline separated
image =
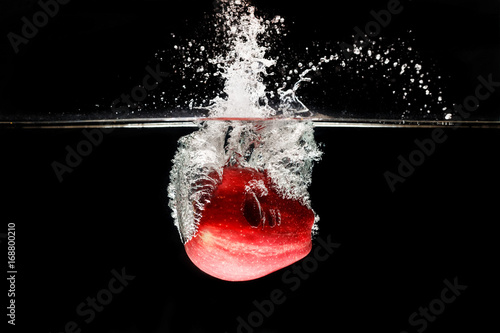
<point x="93" y="51"/>
<point x="111" y="211"/>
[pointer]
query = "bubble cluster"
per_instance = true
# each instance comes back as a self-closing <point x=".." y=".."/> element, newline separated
<point x="284" y="149"/>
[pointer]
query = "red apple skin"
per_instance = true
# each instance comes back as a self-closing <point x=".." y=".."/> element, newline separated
<point x="233" y="244"/>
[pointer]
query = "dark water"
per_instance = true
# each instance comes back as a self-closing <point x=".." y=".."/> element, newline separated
<point x="396" y="248"/>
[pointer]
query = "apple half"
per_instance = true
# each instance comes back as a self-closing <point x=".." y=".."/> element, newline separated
<point x="247" y="230"/>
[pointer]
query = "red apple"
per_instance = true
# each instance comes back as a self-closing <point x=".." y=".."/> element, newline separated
<point x="247" y="230"/>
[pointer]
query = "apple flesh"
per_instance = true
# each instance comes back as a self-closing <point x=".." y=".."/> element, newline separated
<point x="247" y="230"/>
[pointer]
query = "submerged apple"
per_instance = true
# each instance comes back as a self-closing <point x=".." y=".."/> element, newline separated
<point x="247" y="230"/>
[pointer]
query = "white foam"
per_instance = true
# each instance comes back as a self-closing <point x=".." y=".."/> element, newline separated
<point x="285" y="149"/>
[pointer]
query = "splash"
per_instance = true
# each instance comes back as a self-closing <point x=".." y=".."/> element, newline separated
<point x="384" y="78"/>
<point x="260" y="166"/>
<point x="243" y="67"/>
<point x="285" y="150"/>
<point x="238" y="188"/>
